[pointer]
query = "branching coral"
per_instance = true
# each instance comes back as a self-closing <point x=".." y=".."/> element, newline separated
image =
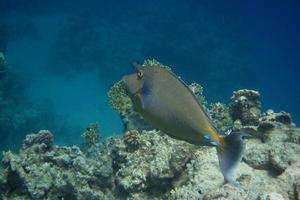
<point x="91" y="135"/>
<point x="220" y="115"/>
<point x="118" y="98"/>
<point x="197" y="89"/>
<point x="155" y="63"/>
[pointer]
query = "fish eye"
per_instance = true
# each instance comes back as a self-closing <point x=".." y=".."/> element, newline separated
<point x="140" y="74"/>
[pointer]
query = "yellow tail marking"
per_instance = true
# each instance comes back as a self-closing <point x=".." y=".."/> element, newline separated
<point x="217" y="138"/>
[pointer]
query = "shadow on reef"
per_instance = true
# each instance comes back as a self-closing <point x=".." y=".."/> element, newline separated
<point x="147" y="164"/>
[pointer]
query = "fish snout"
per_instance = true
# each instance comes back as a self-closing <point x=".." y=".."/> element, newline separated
<point x="132" y="83"/>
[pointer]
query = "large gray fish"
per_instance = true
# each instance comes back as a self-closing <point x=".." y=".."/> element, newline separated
<point x="168" y="104"/>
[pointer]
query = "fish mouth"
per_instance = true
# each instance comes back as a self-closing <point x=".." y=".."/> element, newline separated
<point x="125" y="80"/>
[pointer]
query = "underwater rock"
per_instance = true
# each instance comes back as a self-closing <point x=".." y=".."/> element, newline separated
<point x="284" y="155"/>
<point x="245" y="106"/>
<point x="59" y="172"/>
<point x="203" y="175"/>
<point x="271" y="196"/>
<point x="265" y="126"/>
<point x="43" y="141"/>
<point x="294" y="135"/>
<point x="155" y="164"/>
<point x="257" y="154"/>
<point x="132" y="140"/>
<point x="148" y="164"/>
<point x="276" y="152"/>
<point x="221" y="117"/>
<point x="281" y="117"/>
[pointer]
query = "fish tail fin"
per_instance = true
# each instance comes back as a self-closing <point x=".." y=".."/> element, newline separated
<point x="230" y="153"/>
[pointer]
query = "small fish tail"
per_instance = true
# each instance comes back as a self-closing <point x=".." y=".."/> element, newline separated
<point x="230" y="153"/>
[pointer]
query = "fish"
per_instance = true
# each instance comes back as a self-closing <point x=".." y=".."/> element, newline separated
<point x="166" y="102"/>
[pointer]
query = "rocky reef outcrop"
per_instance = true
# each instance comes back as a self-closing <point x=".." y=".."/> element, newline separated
<point x="147" y="164"/>
<point x="150" y="165"/>
<point x="44" y="171"/>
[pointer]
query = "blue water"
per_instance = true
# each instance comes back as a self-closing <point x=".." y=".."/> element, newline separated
<point x="70" y="54"/>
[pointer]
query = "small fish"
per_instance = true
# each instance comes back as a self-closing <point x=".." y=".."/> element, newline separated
<point x="168" y="104"/>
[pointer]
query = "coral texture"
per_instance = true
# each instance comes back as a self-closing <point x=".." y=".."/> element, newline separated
<point x="150" y="165"/>
<point x="147" y="164"/>
<point x="245" y="106"/>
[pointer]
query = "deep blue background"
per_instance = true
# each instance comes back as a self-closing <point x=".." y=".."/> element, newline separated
<point x="71" y="53"/>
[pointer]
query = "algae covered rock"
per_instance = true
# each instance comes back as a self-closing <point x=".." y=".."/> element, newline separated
<point x="284" y="155"/>
<point x="197" y="89"/>
<point x="275" y="151"/>
<point x="245" y="106"/>
<point x="220" y="115"/>
<point x="202" y="176"/>
<point x="257" y="154"/>
<point x="118" y="98"/>
<point x="149" y="165"/>
<point x="42" y="171"/>
<point x="40" y="142"/>
<point x="154" y="165"/>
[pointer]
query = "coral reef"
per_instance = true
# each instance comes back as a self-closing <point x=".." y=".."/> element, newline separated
<point x="132" y="140"/>
<point x="221" y="117"/>
<point x="151" y="165"/>
<point x="155" y="63"/>
<point x="198" y="91"/>
<point x="147" y="164"/>
<point x="118" y="99"/>
<point x="44" y="171"/>
<point x="91" y="144"/>
<point x="245" y="106"/>
<point x="155" y="170"/>
<point x="91" y="135"/>
<point x="121" y="103"/>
